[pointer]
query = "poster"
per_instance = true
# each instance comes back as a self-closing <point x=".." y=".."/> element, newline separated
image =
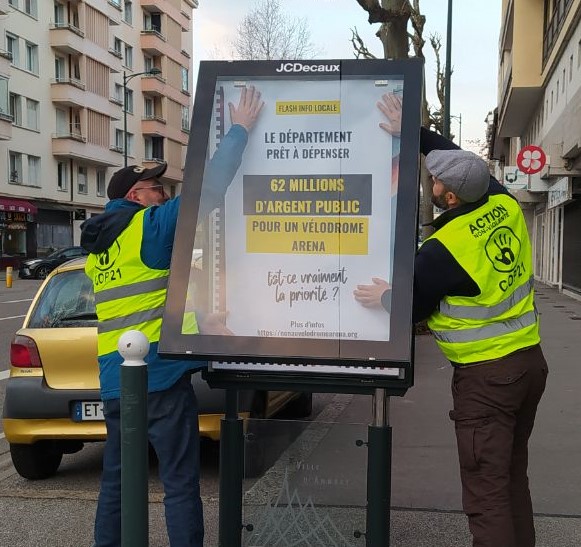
<point x="310" y="212"/>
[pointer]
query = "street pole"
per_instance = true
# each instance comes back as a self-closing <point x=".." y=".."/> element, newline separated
<point x="133" y="346"/>
<point x="379" y="449"/>
<point x="153" y="72"/>
<point x="124" y="119"/>
<point x="448" y="74"/>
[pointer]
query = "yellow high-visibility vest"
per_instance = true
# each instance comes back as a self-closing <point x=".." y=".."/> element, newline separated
<point x="492" y="244"/>
<point x="128" y="294"/>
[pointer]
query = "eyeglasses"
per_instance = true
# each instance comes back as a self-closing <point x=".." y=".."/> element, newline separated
<point x="156" y="187"/>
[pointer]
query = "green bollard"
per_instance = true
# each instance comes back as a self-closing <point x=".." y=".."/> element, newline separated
<point x="133" y="347"/>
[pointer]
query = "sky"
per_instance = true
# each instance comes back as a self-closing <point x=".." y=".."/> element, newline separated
<point x="475" y="33"/>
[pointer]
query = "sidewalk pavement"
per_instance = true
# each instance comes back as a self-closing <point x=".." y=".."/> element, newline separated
<point x="426" y="505"/>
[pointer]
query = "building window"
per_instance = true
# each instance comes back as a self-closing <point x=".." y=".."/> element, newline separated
<point x="59" y="14"/>
<point x="128" y="12"/>
<point x="100" y="183"/>
<point x="118" y="93"/>
<point x="34" y="170"/>
<point x="13" y="48"/>
<point x="15" y="175"/>
<point x="118" y="47"/>
<point x="16" y="108"/>
<point x="31" y="8"/>
<point x="148" y="107"/>
<point x="31" y="60"/>
<point x="4" y="100"/>
<point x="62" y="170"/>
<point x="129" y="98"/>
<point x="32" y="109"/>
<point x="571" y="67"/>
<point x="185" y="118"/>
<point x="153" y="148"/>
<point x="120" y="144"/>
<point x="148" y="63"/>
<point x="563" y="84"/>
<point x="185" y="79"/>
<point x="59" y="69"/>
<point x="82" y="179"/>
<point x="128" y="56"/>
<point x="557" y="94"/>
<point x="13" y="3"/>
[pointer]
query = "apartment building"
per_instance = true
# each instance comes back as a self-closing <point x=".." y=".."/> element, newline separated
<point x="539" y="103"/>
<point x="64" y="65"/>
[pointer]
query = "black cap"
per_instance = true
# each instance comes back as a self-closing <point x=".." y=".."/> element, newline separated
<point x="122" y="180"/>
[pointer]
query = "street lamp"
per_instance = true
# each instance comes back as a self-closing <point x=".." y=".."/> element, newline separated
<point x="152" y="71"/>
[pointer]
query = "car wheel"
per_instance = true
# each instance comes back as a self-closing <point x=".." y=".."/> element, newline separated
<point x="301" y="407"/>
<point x="42" y="272"/>
<point x="36" y="461"/>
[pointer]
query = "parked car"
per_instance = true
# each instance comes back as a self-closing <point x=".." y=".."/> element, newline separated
<point x="39" y="268"/>
<point x="52" y="404"/>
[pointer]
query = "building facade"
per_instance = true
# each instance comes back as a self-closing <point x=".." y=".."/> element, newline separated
<point x="539" y="103"/>
<point x="64" y="67"/>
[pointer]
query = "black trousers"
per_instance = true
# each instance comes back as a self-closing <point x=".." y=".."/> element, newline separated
<point x="495" y="405"/>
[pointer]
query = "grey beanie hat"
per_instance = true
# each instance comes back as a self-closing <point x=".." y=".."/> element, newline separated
<point x="462" y="172"/>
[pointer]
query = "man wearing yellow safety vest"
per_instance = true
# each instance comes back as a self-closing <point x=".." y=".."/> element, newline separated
<point x="473" y="282"/>
<point x="131" y="245"/>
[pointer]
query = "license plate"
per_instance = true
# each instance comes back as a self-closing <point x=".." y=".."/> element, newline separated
<point x="88" y="411"/>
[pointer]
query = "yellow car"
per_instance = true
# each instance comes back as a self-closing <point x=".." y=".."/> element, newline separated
<point x="52" y="404"/>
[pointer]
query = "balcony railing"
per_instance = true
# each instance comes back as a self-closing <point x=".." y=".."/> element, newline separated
<point x="69" y="26"/>
<point x="73" y="136"/>
<point x="70" y="81"/>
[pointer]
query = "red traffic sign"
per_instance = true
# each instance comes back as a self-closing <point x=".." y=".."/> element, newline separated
<point x="531" y="159"/>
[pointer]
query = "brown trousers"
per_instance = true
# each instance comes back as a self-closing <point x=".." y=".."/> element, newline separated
<point x="495" y="404"/>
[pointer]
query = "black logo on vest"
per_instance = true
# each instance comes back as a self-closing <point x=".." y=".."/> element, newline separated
<point x="503" y="249"/>
<point x="106" y="260"/>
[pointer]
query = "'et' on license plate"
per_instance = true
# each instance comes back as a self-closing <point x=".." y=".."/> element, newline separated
<point x="88" y="410"/>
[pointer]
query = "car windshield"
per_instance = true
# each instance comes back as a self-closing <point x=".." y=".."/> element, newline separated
<point x="66" y="301"/>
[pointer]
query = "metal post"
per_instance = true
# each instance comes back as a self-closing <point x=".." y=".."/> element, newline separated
<point x="153" y="71"/>
<point x="379" y="473"/>
<point x="448" y="74"/>
<point x="133" y="346"/>
<point x="124" y="119"/>
<point x="9" y="277"/>
<point x="231" y="474"/>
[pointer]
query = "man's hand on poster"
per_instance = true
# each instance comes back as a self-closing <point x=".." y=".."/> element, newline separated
<point x="248" y="109"/>
<point x="369" y="296"/>
<point x="391" y="105"/>
<point x="214" y="323"/>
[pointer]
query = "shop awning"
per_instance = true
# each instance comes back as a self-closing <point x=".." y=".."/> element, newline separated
<point x="17" y="205"/>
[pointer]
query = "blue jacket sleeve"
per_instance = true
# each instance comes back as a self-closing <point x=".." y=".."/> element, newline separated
<point x="160" y="222"/>
<point x="222" y="169"/>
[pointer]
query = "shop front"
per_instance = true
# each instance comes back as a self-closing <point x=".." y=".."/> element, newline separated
<point x="17" y="231"/>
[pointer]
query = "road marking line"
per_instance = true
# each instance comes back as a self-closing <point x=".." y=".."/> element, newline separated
<point x="4" y="374"/>
<point x="16" y="301"/>
<point x="12" y="317"/>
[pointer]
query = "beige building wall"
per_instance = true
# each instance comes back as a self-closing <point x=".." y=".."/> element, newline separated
<point x="67" y="83"/>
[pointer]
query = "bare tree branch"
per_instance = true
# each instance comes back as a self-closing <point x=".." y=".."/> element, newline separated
<point x="359" y="47"/>
<point x="267" y="32"/>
